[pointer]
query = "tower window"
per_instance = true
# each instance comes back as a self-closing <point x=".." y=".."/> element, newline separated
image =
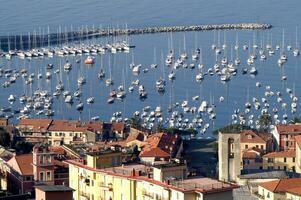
<point x="48" y="174"/>
<point x="41" y="176"/>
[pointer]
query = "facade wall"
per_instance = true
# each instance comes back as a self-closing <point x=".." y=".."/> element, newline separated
<point x="292" y="196"/>
<point x="287" y="142"/>
<point x="229" y="156"/>
<point x="298" y="159"/>
<point x="217" y="196"/>
<point x="279" y="164"/>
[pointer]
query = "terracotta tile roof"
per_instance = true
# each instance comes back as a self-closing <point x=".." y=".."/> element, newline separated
<point x="117" y="126"/>
<point x="248" y="136"/>
<point x="282" y="185"/>
<point x="164" y="141"/>
<point x="289" y="129"/>
<point x="135" y="136"/>
<point x="66" y="125"/>
<point x="93" y="126"/>
<point x="298" y="140"/>
<point x="251" y="154"/>
<point x="22" y="164"/>
<point x="280" y="154"/>
<point x="57" y="150"/>
<point x="295" y="191"/>
<point x="37" y="125"/>
<point x="154" y="152"/>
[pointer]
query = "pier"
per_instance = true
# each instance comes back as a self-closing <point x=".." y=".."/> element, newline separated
<point x="35" y="40"/>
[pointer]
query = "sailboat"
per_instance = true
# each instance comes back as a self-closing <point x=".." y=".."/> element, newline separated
<point x="296" y="49"/>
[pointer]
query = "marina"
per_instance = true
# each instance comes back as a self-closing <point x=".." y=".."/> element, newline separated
<point x="62" y="35"/>
<point x="185" y="83"/>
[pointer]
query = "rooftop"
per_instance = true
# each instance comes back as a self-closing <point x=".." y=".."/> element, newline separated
<point x="291" y="128"/>
<point x="54" y="188"/>
<point x="281" y="185"/>
<point x="22" y="164"/>
<point x="280" y="154"/>
<point x="294" y="191"/>
<point x="249" y="136"/>
<point x="199" y="184"/>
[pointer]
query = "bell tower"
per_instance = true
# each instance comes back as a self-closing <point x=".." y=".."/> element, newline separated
<point x="43" y="164"/>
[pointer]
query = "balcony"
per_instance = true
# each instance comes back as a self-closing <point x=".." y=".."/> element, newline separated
<point x="84" y="196"/>
<point x="108" y="187"/>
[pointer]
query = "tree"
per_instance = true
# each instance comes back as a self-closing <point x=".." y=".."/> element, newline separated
<point x="295" y="120"/>
<point x="4" y="138"/>
<point x="264" y="122"/>
<point x="135" y="122"/>
<point x="231" y="128"/>
<point x="23" y="146"/>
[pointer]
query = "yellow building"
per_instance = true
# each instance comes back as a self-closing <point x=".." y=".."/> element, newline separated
<point x="278" y="189"/>
<point x="141" y="182"/>
<point x="249" y="140"/>
<point x="104" y="159"/>
<point x="282" y="160"/>
<point x="298" y="154"/>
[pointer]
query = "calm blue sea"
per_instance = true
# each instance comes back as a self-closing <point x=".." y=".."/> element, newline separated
<point x="23" y="16"/>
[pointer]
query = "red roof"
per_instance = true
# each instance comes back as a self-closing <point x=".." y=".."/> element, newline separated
<point x="22" y="164"/>
<point x="295" y="191"/>
<point x="289" y="129"/>
<point x="154" y="152"/>
<point x="135" y="136"/>
<point x="37" y="125"/>
<point x="249" y="136"/>
<point x="164" y="141"/>
<point x="66" y="125"/>
<point x="251" y="153"/>
<point x="282" y="185"/>
<point x="281" y="154"/>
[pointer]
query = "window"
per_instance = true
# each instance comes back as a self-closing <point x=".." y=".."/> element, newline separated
<point x="41" y="176"/>
<point x="261" y="146"/>
<point x="48" y="174"/>
<point x="56" y="134"/>
<point x="257" y="146"/>
<point x="284" y="168"/>
<point x="270" y="160"/>
<point x="41" y="160"/>
<point x="293" y="159"/>
<point x="70" y="134"/>
<point x="49" y="159"/>
<point x="284" y="159"/>
<point x="246" y="146"/>
<point x="249" y="137"/>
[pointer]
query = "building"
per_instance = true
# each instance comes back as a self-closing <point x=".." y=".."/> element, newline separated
<point x="249" y="139"/>
<point x="40" y="167"/>
<point x="298" y="154"/>
<point x="47" y="192"/>
<point x="229" y="156"/>
<point x="293" y="193"/>
<point x="160" y="147"/>
<point x="252" y="159"/>
<point x="104" y="159"/>
<point x="277" y="190"/>
<point x="284" y="136"/>
<point x="282" y="160"/>
<point x="3" y="122"/>
<point x="139" y="181"/>
<point x="59" y="132"/>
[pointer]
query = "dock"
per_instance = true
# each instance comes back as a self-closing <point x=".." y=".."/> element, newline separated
<point x="28" y="41"/>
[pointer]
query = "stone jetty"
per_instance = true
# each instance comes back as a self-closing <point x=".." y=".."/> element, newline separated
<point x="39" y="40"/>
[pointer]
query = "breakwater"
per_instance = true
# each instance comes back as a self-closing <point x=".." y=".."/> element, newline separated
<point x="34" y="40"/>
